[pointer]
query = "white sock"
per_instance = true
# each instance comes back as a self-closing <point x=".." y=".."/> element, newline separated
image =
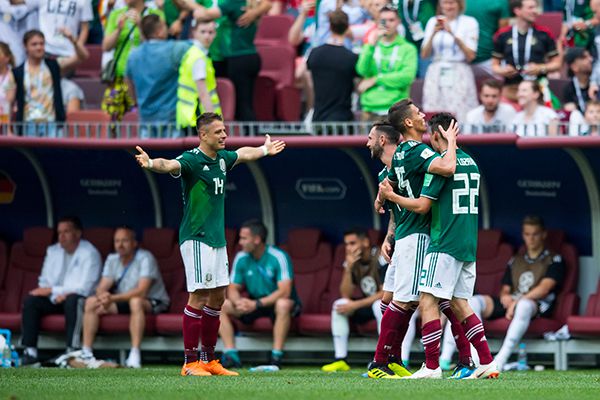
<point x="340" y="328"/>
<point x="135" y="350"/>
<point x="31" y="351"/>
<point x="524" y="311"/>
<point x="376" y="306"/>
<point x="86" y="352"/>
<point x="409" y="337"/>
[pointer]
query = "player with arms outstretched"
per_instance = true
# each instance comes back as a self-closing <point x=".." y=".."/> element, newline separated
<point x="449" y="268"/>
<point x="203" y="172"/>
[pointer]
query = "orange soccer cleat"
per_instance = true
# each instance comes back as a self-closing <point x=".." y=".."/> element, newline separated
<point x="214" y="367"/>
<point x="195" y="368"/>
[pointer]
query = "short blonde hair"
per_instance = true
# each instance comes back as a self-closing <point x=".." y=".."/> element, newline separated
<point x="461" y="7"/>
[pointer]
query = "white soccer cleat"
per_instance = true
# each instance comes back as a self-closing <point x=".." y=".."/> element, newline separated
<point x="134" y="360"/>
<point x="426" y="373"/>
<point x="486" y="371"/>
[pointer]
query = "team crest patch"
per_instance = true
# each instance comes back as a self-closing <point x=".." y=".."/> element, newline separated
<point x="426" y="153"/>
<point x="222" y="165"/>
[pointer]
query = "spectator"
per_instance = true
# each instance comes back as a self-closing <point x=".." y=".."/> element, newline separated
<point x="265" y="273"/>
<point x="8" y="34"/>
<point x="576" y="93"/>
<point x="23" y="16"/>
<point x="365" y="270"/>
<point x="197" y="85"/>
<point x="529" y="287"/>
<point x="414" y="15"/>
<point x="388" y="66"/>
<point x="491" y="16"/>
<point x="451" y="38"/>
<point x="7" y="83"/>
<point x="491" y="116"/>
<point x="39" y="95"/>
<point x="578" y="23"/>
<point x="524" y="50"/>
<point x="56" y="15"/>
<point x="72" y="94"/>
<point x="71" y="270"/>
<point x="333" y="69"/>
<point x="535" y="119"/>
<point x="241" y="57"/>
<point x="587" y="124"/>
<point x="131" y="284"/>
<point x="356" y="16"/>
<point x="155" y="83"/>
<point x="122" y="34"/>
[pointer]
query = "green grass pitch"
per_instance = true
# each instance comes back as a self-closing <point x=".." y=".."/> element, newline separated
<point x="290" y="383"/>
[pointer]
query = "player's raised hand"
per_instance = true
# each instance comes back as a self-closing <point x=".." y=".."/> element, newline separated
<point x="450" y="133"/>
<point x="143" y="159"/>
<point x="385" y="190"/>
<point x="273" y="147"/>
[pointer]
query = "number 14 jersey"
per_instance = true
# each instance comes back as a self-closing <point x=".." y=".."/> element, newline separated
<point x="454" y="213"/>
<point x="203" y="186"/>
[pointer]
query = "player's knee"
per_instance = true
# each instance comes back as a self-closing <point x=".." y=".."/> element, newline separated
<point x="91" y="304"/>
<point x="197" y="299"/>
<point x="136" y="305"/>
<point x="387" y="297"/>
<point x="525" y="307"/>
<point x="227" y="307"/>
<point x="283" y="306"/>
<point x="337" y="303"/>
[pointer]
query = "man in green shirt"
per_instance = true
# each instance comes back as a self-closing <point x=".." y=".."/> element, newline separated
<point x="448" y="271"/>
<point x="388" y="66"/>
<point x="203" y="173"/>
<point x="265" y="272"/>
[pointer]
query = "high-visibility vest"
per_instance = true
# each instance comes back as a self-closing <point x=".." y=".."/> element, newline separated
<point x="187" y="92"/>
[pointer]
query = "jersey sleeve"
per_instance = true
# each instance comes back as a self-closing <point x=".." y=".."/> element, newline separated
<point x="149" y="268"/>
<point x="507" y="278"/>
<point x="421" y="157"/>
<point x="230" y="158"/>
<point x="186" y="162"/>
<point x="286" y="272"/>
<point x="237" y="271"/>
<point x="432" y="186"/>
<point x="556" y="270"/>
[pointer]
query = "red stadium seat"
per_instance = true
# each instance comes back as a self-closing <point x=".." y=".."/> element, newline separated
<point x="492" y="258"/>
<point x="101" y="238"/>
<point x="171" y="323"/>
<point x="589" y="323"/>
<point x="264" y="98"/>
<point x="226" y="92"/>
<point x="93" y="91"/>
<point x="3" y="263"/>
<point x="551" y="20"/>
<point x="231" y="237"/>
<point x="88" y="124"/>
<point x="24" y="267"/>
<point x="273" y="30"/>
<point x="416" y="92"/>
<point x="92" y="66"/>
<point x="162" y="243"/>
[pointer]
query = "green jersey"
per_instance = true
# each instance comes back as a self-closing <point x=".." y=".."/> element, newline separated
<point x="203" y="186"/>
<point x="409" y="165"/>
<point x="260" y="277"/>
<point x="454" y="213"/>
<point x="393" y="208"/>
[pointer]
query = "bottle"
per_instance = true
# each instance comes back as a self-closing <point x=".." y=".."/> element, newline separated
<point x="6" y="358"/>
<point x="522" y="358"/>
<point x="265" y="368"/>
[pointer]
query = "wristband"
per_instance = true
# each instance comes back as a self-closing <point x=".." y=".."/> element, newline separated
<point x="259" y="304"/>
<point x="264" y="150"/>
<point x="150" y="164"/>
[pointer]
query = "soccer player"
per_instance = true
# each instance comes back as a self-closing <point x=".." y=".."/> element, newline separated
<point x="203" y="173"/>
<point x="449" y="268"/>
<point x="411" y="161"/>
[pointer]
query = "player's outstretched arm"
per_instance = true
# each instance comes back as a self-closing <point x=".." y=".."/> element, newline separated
<point x="270" y="148"/>
<point x="420" y="205"/>
<point x="160" y="165"/>
<point x="446" y="165"/>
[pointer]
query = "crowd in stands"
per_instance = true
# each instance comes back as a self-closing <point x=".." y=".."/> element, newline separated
<point x="164" y="61"/>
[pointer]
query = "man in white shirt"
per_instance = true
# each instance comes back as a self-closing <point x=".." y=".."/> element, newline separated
<point x="75" y="15"/>
<point x="131" y="284"/>
<point x="70" y="272"/>
<point x="491" y="116"/>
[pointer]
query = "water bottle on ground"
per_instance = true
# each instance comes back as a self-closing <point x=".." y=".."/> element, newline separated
<point x="265" y="368"/>
<point x="522" y="358"/>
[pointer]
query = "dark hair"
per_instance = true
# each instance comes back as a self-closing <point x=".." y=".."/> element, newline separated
<point x="338" y="22"/>
<point x="444" y="119"/>
<point x="31" y="34"/>
<point x="75" y="221"/>
<point x="126" y="228"/>
<point x="398" y="112"/>
<point x="535" y="221"/>
<point x="492" y="83"/>
<point x="388" y="130"/>
<point x="150" y="24"/>
<point x="206" y="119"/>
<point x="512" y="4"/>
<point x="359" y="231"/>
<point x="6" y="50"/>
<point x="536" y="87"/>
<point x="257" y="228"/>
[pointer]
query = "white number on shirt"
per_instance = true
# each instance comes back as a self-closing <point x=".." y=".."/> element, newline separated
<point x="471" y="189"/>
<point x="219" y="184"/>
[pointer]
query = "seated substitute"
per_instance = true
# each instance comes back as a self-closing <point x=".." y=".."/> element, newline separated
<point x="363" y="269"/>
<point x="529" y="287"/>
<point x="266" y="274"/>
<point x="131" y="284"/>
<point x="70" y="272"/>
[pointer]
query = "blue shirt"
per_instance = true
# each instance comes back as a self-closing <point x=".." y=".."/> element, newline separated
<point x="153" y="67"/>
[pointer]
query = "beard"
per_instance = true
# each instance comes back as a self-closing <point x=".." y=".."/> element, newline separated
<point x="376" y="152"/>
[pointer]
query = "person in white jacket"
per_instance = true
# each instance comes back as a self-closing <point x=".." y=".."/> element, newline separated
<point x="70" y="272"/>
